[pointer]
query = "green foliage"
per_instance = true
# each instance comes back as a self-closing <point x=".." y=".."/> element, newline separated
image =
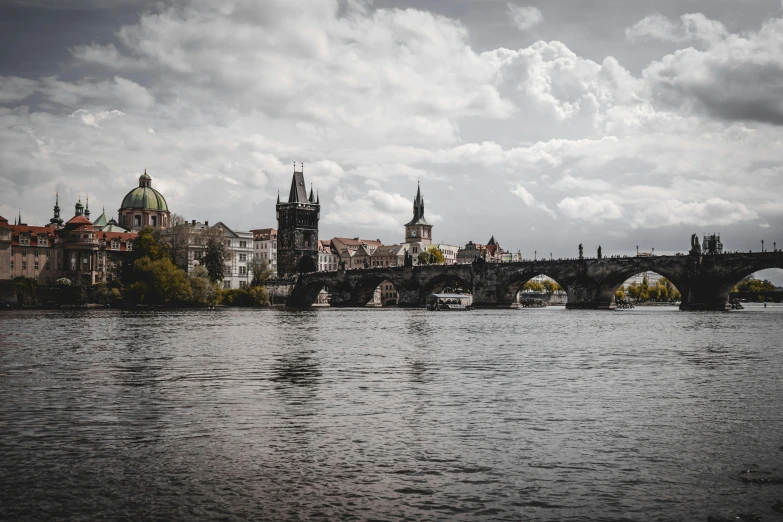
<point x="533" y="286"/>
<point x="177" y="243"/>
<point x="260" y="269"/>
<point x="750" y="284"/>
<point x="205" y="292"/>
<point x="662" y="291"/>
<point x="551" y="287"/>
<point x="146" y="245"/>
<point x="103" y="294"/>
<point x="63" y="281"/>
<point x="253" y="296"/>
<point x="214" y="258"/>
<point x="620" y="293"/>
<point x="431" y="256"/>
<point x="160" y="281"/>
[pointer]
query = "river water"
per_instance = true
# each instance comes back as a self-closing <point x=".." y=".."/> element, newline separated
<point x="540" y="414"/>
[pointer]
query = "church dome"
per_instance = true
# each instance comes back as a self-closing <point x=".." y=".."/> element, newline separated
<point x="144" y="196"/>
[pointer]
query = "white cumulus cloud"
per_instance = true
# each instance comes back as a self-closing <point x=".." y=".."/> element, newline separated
<point x="590" y="209"/>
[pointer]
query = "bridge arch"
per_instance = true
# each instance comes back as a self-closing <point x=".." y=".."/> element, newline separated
<point x="364" y="288"/>
<point x="305" y="292"/>
<point x="444" y="281"/>
<point x="737" y="275"/>
<point x="608" y="286"/>
<point x="512" y="285"/>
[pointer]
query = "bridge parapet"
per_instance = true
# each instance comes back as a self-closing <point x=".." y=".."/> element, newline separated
<point x="703" y="280"/>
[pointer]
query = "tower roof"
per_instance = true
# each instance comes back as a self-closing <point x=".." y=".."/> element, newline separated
<point x="298" y="192"/>
<point x="418" y="210"/>
<point x="102" y="220"/>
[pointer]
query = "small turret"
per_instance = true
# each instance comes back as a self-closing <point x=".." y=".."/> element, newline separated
<point x="56" y="219"/>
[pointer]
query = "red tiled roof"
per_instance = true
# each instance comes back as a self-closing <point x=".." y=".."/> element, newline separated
<point x="79" y="219"/>
<point x="34" y="233"/>
<point x="358" y="242"/>
<point x="124" y="237"/>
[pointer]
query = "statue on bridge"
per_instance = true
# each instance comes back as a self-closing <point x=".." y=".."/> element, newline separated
<point x="599" y="251"/>
<point x="581" y="251"/>
<point x="408" y="261"/>
<point x="695" y="246"/>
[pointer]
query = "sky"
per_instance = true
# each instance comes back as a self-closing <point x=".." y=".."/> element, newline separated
<point x="618" y="123"/>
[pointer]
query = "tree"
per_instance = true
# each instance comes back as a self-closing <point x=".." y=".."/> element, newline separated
<point x="147" y="244"/>
<point x="551" y="287"/>
<point x="533" y="286"/>
<point x="750" y="284"/>
<point x="176" y="219"/>
<point x="431" y="256"/>
<point x="177" y="241"/>
<point x="620" y="293"/>
<point x="214" y="259"/>
<point x="644" y="289"/>
<point x="260" y="269"/>
<point x="160" y="281"/>
<point x="205" y="292"/>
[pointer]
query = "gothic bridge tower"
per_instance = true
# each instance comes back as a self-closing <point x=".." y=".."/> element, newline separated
<point x="297" y="229"/>
<point x="418" y="230"/>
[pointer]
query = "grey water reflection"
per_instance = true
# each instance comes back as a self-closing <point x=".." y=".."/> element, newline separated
<point x="646" y="414"/>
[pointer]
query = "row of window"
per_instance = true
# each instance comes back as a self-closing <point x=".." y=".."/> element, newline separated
<point x="24" y="265"/>
<point x="227" y="284"/>
<point x="25" y="240"/>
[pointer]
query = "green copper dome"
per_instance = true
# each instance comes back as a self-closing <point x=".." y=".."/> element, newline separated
<point x="144" y="196"/>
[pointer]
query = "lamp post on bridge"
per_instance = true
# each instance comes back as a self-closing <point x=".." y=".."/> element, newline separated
<point x="653" y="252"/>
<point x="762" y="246"/>
<point x="637" y="250"/>
<point x="535" y="255"/>
<point x="550" y="256"/>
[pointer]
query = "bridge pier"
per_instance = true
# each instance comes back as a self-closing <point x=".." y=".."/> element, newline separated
<point x="705" y="297"/>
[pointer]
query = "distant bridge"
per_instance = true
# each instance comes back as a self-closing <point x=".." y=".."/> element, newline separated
<point x="703" y="280"/>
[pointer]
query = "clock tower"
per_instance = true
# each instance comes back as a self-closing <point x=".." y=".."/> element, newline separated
<point x="418" y="230"/>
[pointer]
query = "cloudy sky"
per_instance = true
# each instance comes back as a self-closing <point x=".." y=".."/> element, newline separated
<point x="547" y="124"/>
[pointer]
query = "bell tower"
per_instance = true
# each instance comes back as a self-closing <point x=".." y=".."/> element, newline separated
<point x="297" y="228"/>
<point x="418" y="230"/>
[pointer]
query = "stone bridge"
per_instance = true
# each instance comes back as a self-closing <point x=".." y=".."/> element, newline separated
<point x="703" y="280"/>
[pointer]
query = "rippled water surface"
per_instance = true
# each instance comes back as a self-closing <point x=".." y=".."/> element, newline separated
<point x="547" y="415"/>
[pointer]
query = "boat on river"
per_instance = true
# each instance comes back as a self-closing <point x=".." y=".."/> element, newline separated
<point x="449" y="302"/>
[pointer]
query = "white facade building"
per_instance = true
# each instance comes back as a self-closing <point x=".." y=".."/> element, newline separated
<point x="328" y="259"/>
<point x="449" y="253"/>
<point x="265" y="247"/>
<point x="239" y="251"/>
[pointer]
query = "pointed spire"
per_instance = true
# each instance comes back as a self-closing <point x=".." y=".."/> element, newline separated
<point x="278" y="197"/>
<point x="20" y="217"/>
<point x="311" y="199"/>
<point x="317" y="198"/>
